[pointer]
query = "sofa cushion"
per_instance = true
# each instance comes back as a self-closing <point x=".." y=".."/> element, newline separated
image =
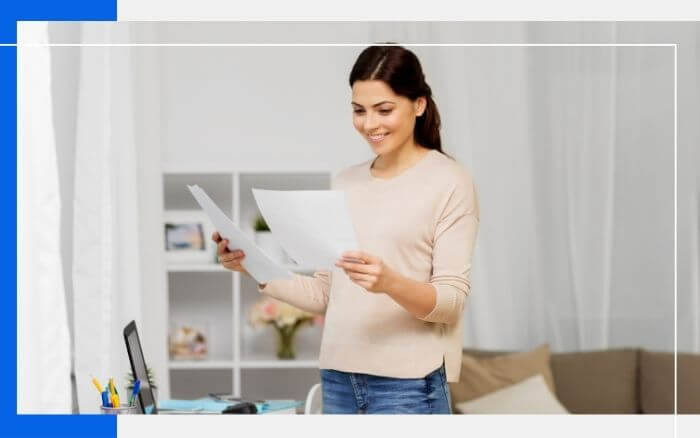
<point x="597" y="382"/>
<point x="529" y="396"/>
<point x="656" y="382"/>
<point x="688" y="383"/>
<point x="484" y="372"/>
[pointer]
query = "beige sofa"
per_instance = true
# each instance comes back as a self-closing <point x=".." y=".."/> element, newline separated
<point x="614" y="381"/>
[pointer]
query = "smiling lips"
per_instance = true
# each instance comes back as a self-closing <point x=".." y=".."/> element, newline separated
<point x="377" y="138"/>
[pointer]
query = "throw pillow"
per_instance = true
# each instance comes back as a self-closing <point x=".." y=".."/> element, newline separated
<point x="482" y="375"/>
<point x="597" y="381"/>
<point x="656" y="382"/>
<point x="530" y="396"/>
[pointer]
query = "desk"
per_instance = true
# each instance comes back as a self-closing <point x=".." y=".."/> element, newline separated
<point x="207" y="405"/>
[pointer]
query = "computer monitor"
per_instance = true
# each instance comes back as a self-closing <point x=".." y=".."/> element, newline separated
<point x="146" y="400"/>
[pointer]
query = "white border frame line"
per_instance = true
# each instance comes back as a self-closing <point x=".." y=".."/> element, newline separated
<point x="339" y="45"/>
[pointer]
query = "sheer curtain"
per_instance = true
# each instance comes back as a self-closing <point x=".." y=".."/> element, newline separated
<point x="43" y="340"/>
<point x="106" y="235"/>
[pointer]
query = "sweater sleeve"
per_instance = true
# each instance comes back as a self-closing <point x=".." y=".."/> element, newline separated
<point x="453" y="246"/>
<point x="305" y="292"/>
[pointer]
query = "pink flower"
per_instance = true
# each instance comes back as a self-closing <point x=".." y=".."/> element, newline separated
<point x="270" y="309"/>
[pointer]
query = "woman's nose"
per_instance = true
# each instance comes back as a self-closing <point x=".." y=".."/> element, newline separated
<point x="371" y="122"/>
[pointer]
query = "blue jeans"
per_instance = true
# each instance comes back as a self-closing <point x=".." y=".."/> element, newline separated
<point x="354" y="393"/>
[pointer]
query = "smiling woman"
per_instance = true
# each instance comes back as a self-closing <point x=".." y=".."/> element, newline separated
<point x="392" y="337"/>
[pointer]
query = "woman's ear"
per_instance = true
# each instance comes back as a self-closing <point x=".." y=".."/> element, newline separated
<point x="419" y="105"/>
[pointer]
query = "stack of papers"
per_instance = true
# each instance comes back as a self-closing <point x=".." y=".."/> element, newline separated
<point x="313" y="227"/>
<point x="256" y="262"/>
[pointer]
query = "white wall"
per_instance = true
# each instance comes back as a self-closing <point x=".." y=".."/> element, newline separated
<point x="239" y="107"/>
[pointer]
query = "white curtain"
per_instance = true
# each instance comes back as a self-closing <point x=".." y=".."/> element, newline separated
<point x="106" y="260"/>
<point x="43" y="340"/>
<point x="577" y="194"/>
<point x="572" y="161"/>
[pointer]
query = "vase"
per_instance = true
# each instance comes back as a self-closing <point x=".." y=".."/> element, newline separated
<point x="285" y="342"/>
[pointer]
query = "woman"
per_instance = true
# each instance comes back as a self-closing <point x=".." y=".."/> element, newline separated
<point x="392" y="337"/>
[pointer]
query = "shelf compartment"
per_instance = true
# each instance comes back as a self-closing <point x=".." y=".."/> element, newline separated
<point x="192" y="384"/>
<point x="260" y="344"/>
<point x="203" y="300"/>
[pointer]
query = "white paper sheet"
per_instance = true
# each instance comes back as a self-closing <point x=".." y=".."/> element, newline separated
<point x="313" y="226"/>
<point x="256" y="262"/>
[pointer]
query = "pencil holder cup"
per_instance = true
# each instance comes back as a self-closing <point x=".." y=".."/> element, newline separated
<point x="123" y="410"/>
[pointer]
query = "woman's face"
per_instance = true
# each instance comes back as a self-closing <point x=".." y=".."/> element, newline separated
<point x="385" y="119"/>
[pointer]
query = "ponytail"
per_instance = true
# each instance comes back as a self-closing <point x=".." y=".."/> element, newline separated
<point x="427" y="130"/>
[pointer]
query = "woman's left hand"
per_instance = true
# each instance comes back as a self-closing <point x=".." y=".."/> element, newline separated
<point x="367" y="271"/>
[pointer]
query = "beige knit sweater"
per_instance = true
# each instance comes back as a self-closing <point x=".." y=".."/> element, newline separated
<point x="423" y="224"/>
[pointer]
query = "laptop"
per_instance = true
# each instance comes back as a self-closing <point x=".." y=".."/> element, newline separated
<point x="146" y="401"/>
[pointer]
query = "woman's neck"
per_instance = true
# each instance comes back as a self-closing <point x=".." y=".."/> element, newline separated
<point x="398" y="160"/>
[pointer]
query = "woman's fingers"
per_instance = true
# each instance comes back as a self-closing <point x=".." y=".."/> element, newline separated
<point x="216" y="237"/>
<point x="357" y="267"/>
<point x="362" y="257"/>
<point x="221" y="247"/>
<point x="231" y="256"/>
<point x="361" y="277"/>
<point x="233" y="264"/>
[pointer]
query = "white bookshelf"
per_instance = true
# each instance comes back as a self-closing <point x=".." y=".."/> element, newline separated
<point x="241" y="359"/>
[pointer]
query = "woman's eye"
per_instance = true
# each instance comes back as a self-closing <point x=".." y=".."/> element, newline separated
<point x="384" y="111"/>
<point x="358" y="111"/>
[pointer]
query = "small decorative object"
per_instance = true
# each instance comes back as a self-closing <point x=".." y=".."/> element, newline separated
<point x="151" y="381"/>
<point x="266" y="242"/>
<point x="285" y="318"/>
<point x="188" y="237"/>
<point x="189" y="342"/>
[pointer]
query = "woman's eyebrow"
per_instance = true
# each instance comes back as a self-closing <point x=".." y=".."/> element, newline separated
<point x="376" y="104"/>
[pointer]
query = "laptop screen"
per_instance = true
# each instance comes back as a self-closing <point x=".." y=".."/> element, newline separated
<point x="138" y="367"/>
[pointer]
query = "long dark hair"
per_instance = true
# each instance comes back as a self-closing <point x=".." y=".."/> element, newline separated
<point x="399" y="68"/>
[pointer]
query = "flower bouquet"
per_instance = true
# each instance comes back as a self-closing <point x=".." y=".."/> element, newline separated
<point x="285" y="318"/>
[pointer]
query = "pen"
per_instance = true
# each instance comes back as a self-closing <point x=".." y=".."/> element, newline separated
<point x="97" y="384"/>
<point x="105" y="399"/>
<point x="112" y="387"/>
<point x="135" y="391"/>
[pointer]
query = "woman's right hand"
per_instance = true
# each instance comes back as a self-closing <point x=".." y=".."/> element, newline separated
<point x="228" y="259"/>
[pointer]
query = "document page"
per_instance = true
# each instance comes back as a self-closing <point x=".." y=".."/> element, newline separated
<point x="313" y="226"/>
<point x="256" y="262"/>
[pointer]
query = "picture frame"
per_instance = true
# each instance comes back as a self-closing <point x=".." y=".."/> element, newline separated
<point x="187" y="237"/>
